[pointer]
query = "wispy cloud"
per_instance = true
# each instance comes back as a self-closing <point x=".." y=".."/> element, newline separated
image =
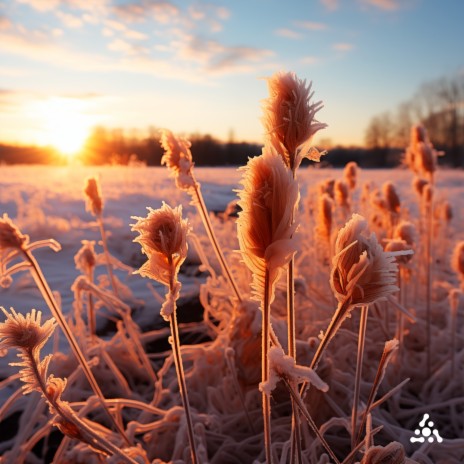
<point x="69" y="20"/>
<point x="41" y="5"/>
<point x="387" y="5"/>
<point x="161" y="11"/>
<point x="343" y="46"/>
<point x="288" y="33"/>
<point x="330" y="5"/>
<point x="310" y="60"/>
<point x="311" y="26"/>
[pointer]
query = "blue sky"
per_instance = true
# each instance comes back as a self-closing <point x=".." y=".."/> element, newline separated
<point x="194" y="66"/>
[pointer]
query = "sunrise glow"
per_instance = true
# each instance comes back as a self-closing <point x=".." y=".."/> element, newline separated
<point x="63" y="124"/>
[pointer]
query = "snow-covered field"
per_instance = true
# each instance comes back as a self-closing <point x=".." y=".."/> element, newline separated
<point x="48" y="202"/>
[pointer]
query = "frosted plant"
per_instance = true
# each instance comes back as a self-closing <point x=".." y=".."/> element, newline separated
<point x="457" y="261"/>
<point x="265" y="228"/>
<point x="420" y="155"/>
<point x="94" y="204"/>
<point x="290" y="119"/>
<point x="393" y="453"/>
<point x="350" y="174"/>
<point x="28" y="336"/>
<point x="178" y="159"/>
<point x="13" y="245"/>
<point x="290" y="123"/>
<point x="163" y="238"/>
<point x="362" y="274"/>
<point x="86" y="260"/>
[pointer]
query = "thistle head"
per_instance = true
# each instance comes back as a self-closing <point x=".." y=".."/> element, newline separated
<point x="163" y="237"/>
<point x="362" y="271"/>
<point x="94" y="202"/>
<point x="289" y="118"/>
<point x="178" y="158"/>
<point x="10" y="235"/>
<point x="265" y="225"/>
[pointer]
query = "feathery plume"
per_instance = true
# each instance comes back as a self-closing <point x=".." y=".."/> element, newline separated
<point x="178" y="158"/>
<point x="94" y="202"/>
<point x="289" y="118"/>
<point x="265" y="225"/>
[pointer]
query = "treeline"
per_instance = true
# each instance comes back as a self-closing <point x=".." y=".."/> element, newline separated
<point x="14" y="154"/>
<point x="439" y="106"/>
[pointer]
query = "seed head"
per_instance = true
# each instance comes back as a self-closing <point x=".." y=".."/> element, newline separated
<point x="265" y="225"/>
<point x="457" y="260"/>
<point x="178" y="158"/>
<point x="289" y="118"/>
<point x="362" y="271"/>
<point x="163" y="237"/>
<point x="86" y="259"/>
<point x="94" y="202"/>
<point x="10" y="235"/>
<point x="25" y="333"/>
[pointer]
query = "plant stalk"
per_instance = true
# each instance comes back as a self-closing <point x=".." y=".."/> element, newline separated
<point x="265" y="366"/>
<point x="47" y="294"/>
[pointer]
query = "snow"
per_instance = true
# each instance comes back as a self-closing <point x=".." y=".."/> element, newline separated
<point x="48" y="202"/>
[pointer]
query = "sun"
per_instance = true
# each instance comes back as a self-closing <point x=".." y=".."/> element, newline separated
<point x="64" y="124"/>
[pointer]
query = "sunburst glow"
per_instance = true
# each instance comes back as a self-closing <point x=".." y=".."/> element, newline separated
<point x="64" y="124"/>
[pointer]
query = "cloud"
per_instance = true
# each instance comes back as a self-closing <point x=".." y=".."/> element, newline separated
<point x="162" y="12"/>
<point x="127" y="48"/>
<point x="216" y="57"/>
<point x="330" y="5"/>
<point x="343" y="46"/>
<point x="387" y="5"/>
<point x="311" y="26"/>
<point x="41" y="5"/>
<point x="288" y="33"/>
<point x="309" y="60"/>
<point x="122" y="30"/>
<point x="69" y="20"/>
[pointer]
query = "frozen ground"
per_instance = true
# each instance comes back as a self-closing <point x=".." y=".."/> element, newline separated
<point x="48" y="202"/>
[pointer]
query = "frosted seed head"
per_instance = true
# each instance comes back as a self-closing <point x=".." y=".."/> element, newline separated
<point x="289" y="118"/>
<point x="25" y="333"/>
<point x="163" y="237"/>
<point x="457" y="259"/>
<point x="391" y="197"/>
<point x="86" y="259"/>
<point x="10" y="235"/>
<point x="178" y="158"/>
<point x="362" y="271"/>
<point x="94" y="202"/>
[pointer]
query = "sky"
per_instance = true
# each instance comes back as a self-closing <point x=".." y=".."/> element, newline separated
<point x="201" y="67"/>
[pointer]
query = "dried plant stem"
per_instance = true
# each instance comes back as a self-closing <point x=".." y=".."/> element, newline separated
<point x="428" y="286"/>
<point x="99" y="441"/>
<point x="334" y="325"/>
<point x="181" y="376"/>
<point x="266" y="342"/>
<point x="107" y="255"/>
<point x="357" y="381"/>
<point x="295" y="450"/>
<point x="199" y="202"/>
<point x="47" y="294"/>
<point x="297" y="398"/>
<point x="91" y="317"/>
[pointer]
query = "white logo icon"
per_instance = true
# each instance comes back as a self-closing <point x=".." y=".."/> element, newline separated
<point x="426" y="432"/>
